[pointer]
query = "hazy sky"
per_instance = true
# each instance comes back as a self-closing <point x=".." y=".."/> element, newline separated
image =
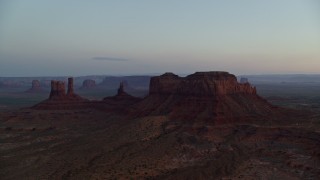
<point x="85" y="37"/>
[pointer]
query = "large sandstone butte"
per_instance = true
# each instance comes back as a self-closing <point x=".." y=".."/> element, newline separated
<point x="214" y="97"/>
<point x="59" y="99"/>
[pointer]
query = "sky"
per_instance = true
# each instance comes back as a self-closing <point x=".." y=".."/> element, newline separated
<point x="126" y="37"/>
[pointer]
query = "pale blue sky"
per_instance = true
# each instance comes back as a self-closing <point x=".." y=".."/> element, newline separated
<point x="74" y="37"/>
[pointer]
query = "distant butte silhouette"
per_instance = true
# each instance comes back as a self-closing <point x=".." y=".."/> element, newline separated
<point x="59" y="99"/>
<point x="88" y="84"/>
<point x="36" y="87"/>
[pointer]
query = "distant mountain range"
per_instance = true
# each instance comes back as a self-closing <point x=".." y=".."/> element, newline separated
<point x="142" y="81"/>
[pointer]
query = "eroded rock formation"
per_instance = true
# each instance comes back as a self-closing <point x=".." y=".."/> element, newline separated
<point x="209" y="96"/>
<point x="199" y="84"/>
<point x="59" y="99"/>
<point x="70" y="87"/>
<point x="165" y="84"/>
<point x="58" y="89"/>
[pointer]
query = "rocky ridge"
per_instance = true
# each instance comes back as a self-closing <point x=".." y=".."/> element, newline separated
<point x="60" y="98"/>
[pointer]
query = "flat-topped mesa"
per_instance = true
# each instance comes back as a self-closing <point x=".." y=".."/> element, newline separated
<point x="59" y="99"/>
<point x="165" y="84"/>
<point x="215" y="97"/>
<point x="199" y="84"/>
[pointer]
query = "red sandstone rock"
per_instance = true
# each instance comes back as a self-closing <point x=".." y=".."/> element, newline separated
<point x="199" y="84"/>
<point x="59" y="99"/>
<point x="58" y="89"/>
<point x="70" y="87"/>
<point x="209" y="96"/>
<point x="214" y="97"/>
<point x="164" y="84"/>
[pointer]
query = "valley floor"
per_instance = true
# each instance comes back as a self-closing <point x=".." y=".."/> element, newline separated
<point x="89" y="144"/>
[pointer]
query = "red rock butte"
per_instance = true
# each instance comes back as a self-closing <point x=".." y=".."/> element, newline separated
<point x="58" y="91"/>
<point x="203" y="96"/>
<point x="59" y="99"/>
<point x="214" y="97"/>
<point x="199" y="84"/>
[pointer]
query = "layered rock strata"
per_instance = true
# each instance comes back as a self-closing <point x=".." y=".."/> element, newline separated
<point x="199" y="84"/>
<point x="209" y="96"/>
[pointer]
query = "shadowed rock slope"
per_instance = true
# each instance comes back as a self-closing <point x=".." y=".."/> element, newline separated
<point x="204" y="96"/>
<point x="121" y="102"/>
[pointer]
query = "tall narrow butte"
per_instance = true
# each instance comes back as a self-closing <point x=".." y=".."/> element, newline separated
<point x="70" y="86"/>
<point x="57" y="89"/>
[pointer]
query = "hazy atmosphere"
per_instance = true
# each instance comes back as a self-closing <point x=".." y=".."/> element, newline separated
<point x="162" y="90"/>
<point x="43" y="38"/>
